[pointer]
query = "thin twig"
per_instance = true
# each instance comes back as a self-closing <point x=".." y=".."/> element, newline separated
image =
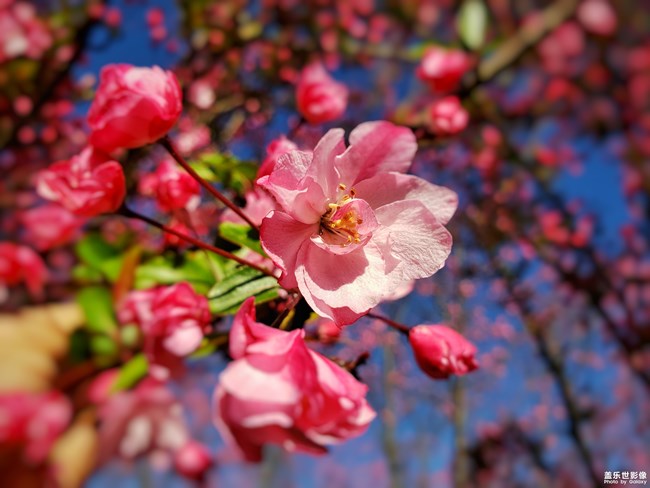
<point x="127" y="212"/>
<point x="166" y="142"/>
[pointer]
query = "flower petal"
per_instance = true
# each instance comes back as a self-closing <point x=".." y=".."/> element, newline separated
<point x="439" y="200"/>
<point x="415" y="240"/>
<point x="282" y="236"/>
<point x="356" y="280"/>
<point x="376" y="147"/>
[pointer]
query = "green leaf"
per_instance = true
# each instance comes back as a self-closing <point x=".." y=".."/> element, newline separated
<point x="103" y="345"/>
<point x="242" y="235"/>
<point x="197" y="269"/>
<point x="227" y="170"/>
<point x="239" y="276"/>
<point x="97" y="305"/>
<point x="130" y="373"/>
<point x="472" y="23"/>
<point x="226" y="297"/>
<point x="95" y="252"/>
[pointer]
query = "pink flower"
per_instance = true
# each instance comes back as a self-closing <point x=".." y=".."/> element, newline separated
<point x="274" y="150"/>
<point x="174" y="189"/>
<point x="50" y="226"/>
<point x="22" y="33"/>
<point x="448" y="117"/>
<point x="133" y="106"/>
<point x="441" y="351"/>
<point x="87" y="184"/>
<point x="193" y="460"/>
<point x="33" y="421"/>
<point x="173" y="320"/>
<point x="21" y="264"/>
<point x="319" y="97"/>
<point x="598" y="16"/>
<point x="443" y="68"/>
<point x="351" y="226"/>
<point x="145" y="420"/>
<point x="278" y="391"/>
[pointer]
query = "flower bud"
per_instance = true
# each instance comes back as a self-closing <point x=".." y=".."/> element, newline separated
<point x="443" y="68"/>
<point x="319" y="97"/>
<point x="133" y="106"/>
<point x="448" y="117"/>
<point x="192" y="460"/>
<point x="87" y="184"/>
<point x="441" y="351"/>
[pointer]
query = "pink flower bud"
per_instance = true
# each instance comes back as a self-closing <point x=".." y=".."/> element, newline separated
<point x="448" y="117"/>
<point x="441" y="351"/>
<point x="33" y="421"/>
<point x="133" y="106"/>
<point x="172" y="187"/>
<point x="443" y="68"/>
<point x="192" y="460"/>
<point x="50" y="226"/>
<point x="19" y="264"/>
<point x="274" y="150"/>
<point x="173" y="320"/>
<point x="319" y="97"/>
<point x="87" y="184"/>
<point x="598" y="17"/>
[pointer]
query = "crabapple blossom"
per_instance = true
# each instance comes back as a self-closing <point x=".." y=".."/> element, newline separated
<point x="173" y="320"/>
<point x="352" y="227"/>
<point x="133" y="106"/>
<point x="441" y="351"/>
<point x="33" y="421"/>
<point x="21" y="264"/>
<point x="443" y="68"/>
<point x="172" y="188"/>
<point x="50" y="226"/>
<point x="87" y="184"/>
<point x="280" y="392"/>
<point x="448" y="117"/>
<point x="145" y="420"/>
<point x="22" y="33"/>
<point x="319" y="97"/>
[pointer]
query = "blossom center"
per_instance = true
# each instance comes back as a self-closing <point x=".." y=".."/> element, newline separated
<point x="342" y="219"/>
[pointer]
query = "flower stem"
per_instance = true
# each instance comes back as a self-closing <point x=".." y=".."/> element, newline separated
<point x="127" y="212"/>
<point x="169" y="145"/>
<point x="395" y="325"/>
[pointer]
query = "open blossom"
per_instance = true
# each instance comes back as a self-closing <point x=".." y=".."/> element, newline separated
<point x="133" y="106"/>
<point x="352" y="227"/>
<point x="20" y="264"/>
<point x="280" y="392"/>
<point x="145" y="420"/>
<point x="87" y="184"/>
<point x="50" y="226"/>
<point x="448" y="117"/>
<point x="441" y="351"/>
<point x="22" y="33"/>
<point x="173" y="320"/>
<point x="443" y="68"/>
<point x="33" y="421"/>
<point x="172" y="188"/>
<point x="319" y="97"/>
